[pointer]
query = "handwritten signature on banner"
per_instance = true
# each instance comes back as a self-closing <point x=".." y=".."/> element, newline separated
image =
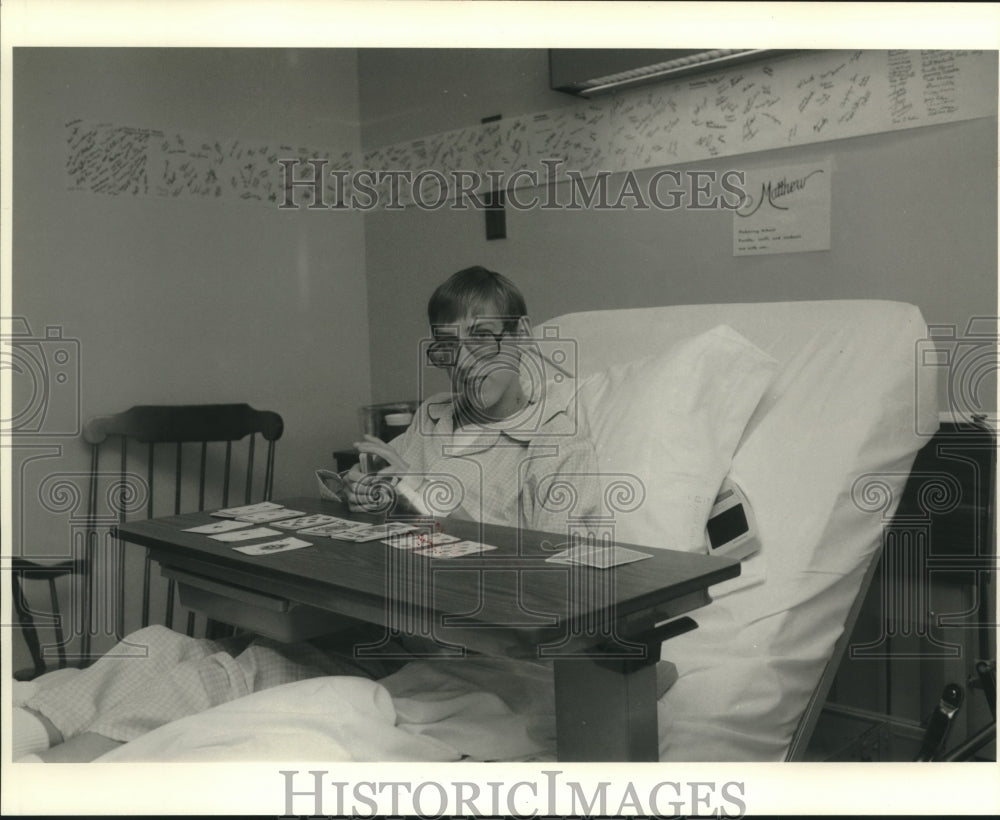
<point x="794" y="99"/>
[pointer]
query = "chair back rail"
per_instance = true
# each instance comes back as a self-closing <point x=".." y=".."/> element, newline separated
<point x="185" y="423"/>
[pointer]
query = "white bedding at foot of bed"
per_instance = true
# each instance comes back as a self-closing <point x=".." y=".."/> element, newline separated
<point x="329" y="718"/>
<point x="437" y="711"/>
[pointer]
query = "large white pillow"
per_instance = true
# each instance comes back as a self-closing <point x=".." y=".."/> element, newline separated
<point x="673" y="421"/>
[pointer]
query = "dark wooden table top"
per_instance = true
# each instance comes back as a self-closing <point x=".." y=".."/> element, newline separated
<point x="510" y="588"/>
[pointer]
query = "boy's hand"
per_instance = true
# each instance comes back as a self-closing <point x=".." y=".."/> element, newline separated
<point x="376" y="447"/>
<point x="371" y="492"/>
<point x="366" y="492"/>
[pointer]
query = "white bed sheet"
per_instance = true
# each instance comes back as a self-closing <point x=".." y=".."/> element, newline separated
<point x="480" y="709"/>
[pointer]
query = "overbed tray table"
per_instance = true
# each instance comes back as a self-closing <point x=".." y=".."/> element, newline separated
<point x="601" y="627"/>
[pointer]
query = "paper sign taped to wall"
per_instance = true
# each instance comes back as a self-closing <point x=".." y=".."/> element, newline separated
<point x="784" y="210"/>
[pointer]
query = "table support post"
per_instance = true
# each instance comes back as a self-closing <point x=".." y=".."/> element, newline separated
<point x="605" y="710"/>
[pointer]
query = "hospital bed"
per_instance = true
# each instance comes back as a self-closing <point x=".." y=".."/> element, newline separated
<point x="822" y="460"/>
<point x="815" y="410"/>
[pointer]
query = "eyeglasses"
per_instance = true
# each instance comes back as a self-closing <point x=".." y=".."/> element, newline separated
<point x="481" y="345"/>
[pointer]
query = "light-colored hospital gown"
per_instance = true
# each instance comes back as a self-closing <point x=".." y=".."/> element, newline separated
<point x="536" y="469"/>
<point x="501" y="474"/>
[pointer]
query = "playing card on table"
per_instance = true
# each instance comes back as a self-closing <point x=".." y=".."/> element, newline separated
<point x="305" y="521"/>
<point x="600" y="557"/>
<point x="373" y="532"/>
<point x="219" y="526"/>
<point x="232" y="512"/>
<point x="419" y="540"/>
<point x="245" y="535"/>
<point x="332" y="528"/>
<point x="267" y="516"/>
<point x="283" y="545"/>
<point x="455" y="549"/>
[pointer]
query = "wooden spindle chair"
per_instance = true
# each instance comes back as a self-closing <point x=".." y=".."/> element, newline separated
<point x="168" y="459"/>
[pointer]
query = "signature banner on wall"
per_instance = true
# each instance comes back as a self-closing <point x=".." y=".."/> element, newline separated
<point x="784" y="210"/>
<point x="797" y="99"/>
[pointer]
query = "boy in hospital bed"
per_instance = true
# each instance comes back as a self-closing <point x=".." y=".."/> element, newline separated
<point x="491" y="438"/>
<point x="488" y="435"/>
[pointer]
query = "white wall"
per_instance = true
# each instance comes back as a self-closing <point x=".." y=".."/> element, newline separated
<point x="186" y="300"/>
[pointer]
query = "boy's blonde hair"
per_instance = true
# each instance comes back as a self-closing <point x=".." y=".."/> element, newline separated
<point x="476" y="291"/>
